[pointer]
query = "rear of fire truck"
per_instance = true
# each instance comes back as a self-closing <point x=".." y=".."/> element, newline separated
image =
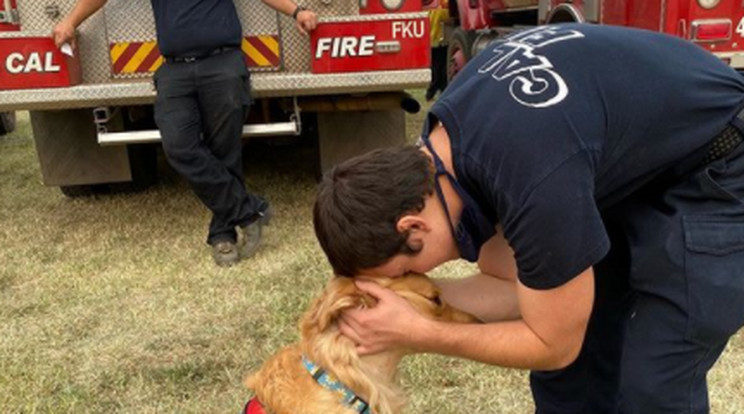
<point x="91" y="108"/>
<point x="715" y="25"/>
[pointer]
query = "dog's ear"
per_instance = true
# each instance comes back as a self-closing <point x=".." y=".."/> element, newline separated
<point x="366" y="300"/>
<point x="340" y="294"/>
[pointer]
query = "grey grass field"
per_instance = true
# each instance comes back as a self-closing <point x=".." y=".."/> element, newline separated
<point x="112" y="303"/>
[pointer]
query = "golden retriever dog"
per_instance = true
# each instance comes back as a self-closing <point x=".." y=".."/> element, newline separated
<point x="290" y="381"/>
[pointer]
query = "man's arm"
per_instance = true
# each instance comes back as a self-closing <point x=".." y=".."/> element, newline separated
<point x="489" y="298"/>
<point x="490" y="295"/>
<point x="549" y="335"/>
<point x="306" y="19"/>
<point x="496" y="257"/>
<point x="64" y="31"/>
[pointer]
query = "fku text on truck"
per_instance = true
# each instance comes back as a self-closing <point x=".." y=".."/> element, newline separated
<point x="91" y="113"/>
<point x="716" y="25"/>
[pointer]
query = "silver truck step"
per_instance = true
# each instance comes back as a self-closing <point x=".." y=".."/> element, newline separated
<point x="102" y="116"/>
<point x="149" y="136"/>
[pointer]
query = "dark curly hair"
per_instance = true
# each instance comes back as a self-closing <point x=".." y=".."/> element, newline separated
<point x="360" y="201"/>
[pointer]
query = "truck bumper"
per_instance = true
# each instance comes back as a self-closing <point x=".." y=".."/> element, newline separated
<point x="264" y="85"/>
<point x="734" y="59"/>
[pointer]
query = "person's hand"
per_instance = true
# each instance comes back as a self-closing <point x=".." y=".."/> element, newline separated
<point x="391" y="323"/>
<point x="307" y="20"/>
<point x="64" y="32"/>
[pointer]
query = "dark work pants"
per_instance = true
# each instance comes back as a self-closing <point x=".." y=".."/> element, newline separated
<point x="200" y="109"/>
<point x="438" y="71"/>
<point x="668" y="297"/>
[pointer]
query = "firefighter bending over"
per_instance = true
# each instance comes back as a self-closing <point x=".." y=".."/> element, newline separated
<point x="596" y="175"/>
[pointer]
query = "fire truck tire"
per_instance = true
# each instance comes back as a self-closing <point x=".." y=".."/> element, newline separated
<point x="459" y="51"/>
<point x="143" y="163"/>
<point x="74" y="191"/>
<point x="7" y="122"/>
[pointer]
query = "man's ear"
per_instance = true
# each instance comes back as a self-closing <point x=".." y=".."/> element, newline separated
<point x="416" y="227"/>
<point x="411" y="223"/>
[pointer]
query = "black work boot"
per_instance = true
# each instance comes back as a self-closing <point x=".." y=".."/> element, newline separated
<point x="249" y="236"/>
<point x="225" y="253"/>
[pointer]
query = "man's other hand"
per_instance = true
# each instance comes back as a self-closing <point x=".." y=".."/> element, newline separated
<point x="64" y="32"/>
<point x="391" y="323"/>
<point x="307" y="20"/>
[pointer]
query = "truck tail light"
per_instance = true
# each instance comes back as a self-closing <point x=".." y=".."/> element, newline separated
<point x="392" y="5"/>
<point x="389" y="6"/>
<point x="9" y="19"/>
<point x="714" y="30"/>
<point x="708" y="4"/>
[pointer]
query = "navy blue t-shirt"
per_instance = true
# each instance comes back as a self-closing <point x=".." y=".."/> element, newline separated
<point x="552" y="125"/>
<point x="192" y="28"/>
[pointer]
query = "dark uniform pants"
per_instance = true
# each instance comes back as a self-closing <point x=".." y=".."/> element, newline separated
<point x="200" y="109"/>
<point x="669" y="296"/>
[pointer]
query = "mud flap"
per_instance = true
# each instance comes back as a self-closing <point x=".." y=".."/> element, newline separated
<point x="69" y="154"/>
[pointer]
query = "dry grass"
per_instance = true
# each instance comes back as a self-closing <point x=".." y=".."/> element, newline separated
<point x="113" y="304"/>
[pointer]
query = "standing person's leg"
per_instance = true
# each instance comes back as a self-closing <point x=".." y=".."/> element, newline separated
<point x="590" y="385"/>
<point x="178" y="117"/>
<point x="688" y="266"/>
<point x="179" y="121"/>
<point x="438" y="72"/>
<point x="224" y="98"/>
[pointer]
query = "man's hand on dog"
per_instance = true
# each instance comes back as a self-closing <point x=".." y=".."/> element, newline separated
<point x="393" y="322"/>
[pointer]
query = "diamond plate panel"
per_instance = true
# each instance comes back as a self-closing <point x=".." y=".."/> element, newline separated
<point x="129" y="21"/>
<point x="34" y="18"/>
<point x="297" y="47"/>
<point x="257" y="18"/>
<point x="91" y="39"/>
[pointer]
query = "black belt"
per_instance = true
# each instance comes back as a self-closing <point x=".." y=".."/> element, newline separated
<point x="192" y="59"/>
<point x="726" y="141"/>
<point x="723" y="144"/>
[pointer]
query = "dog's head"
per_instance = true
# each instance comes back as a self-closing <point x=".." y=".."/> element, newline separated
<point x="341" y="294"/>
<point x="425" y="297"/>
<point x="323" y="342"/>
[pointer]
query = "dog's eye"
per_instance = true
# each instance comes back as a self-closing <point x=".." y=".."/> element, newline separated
<point x="437" y="300"/>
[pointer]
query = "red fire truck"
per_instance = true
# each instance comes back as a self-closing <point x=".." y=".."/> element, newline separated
<point x="716" y="25"/>
<point x="91" y="111"/>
